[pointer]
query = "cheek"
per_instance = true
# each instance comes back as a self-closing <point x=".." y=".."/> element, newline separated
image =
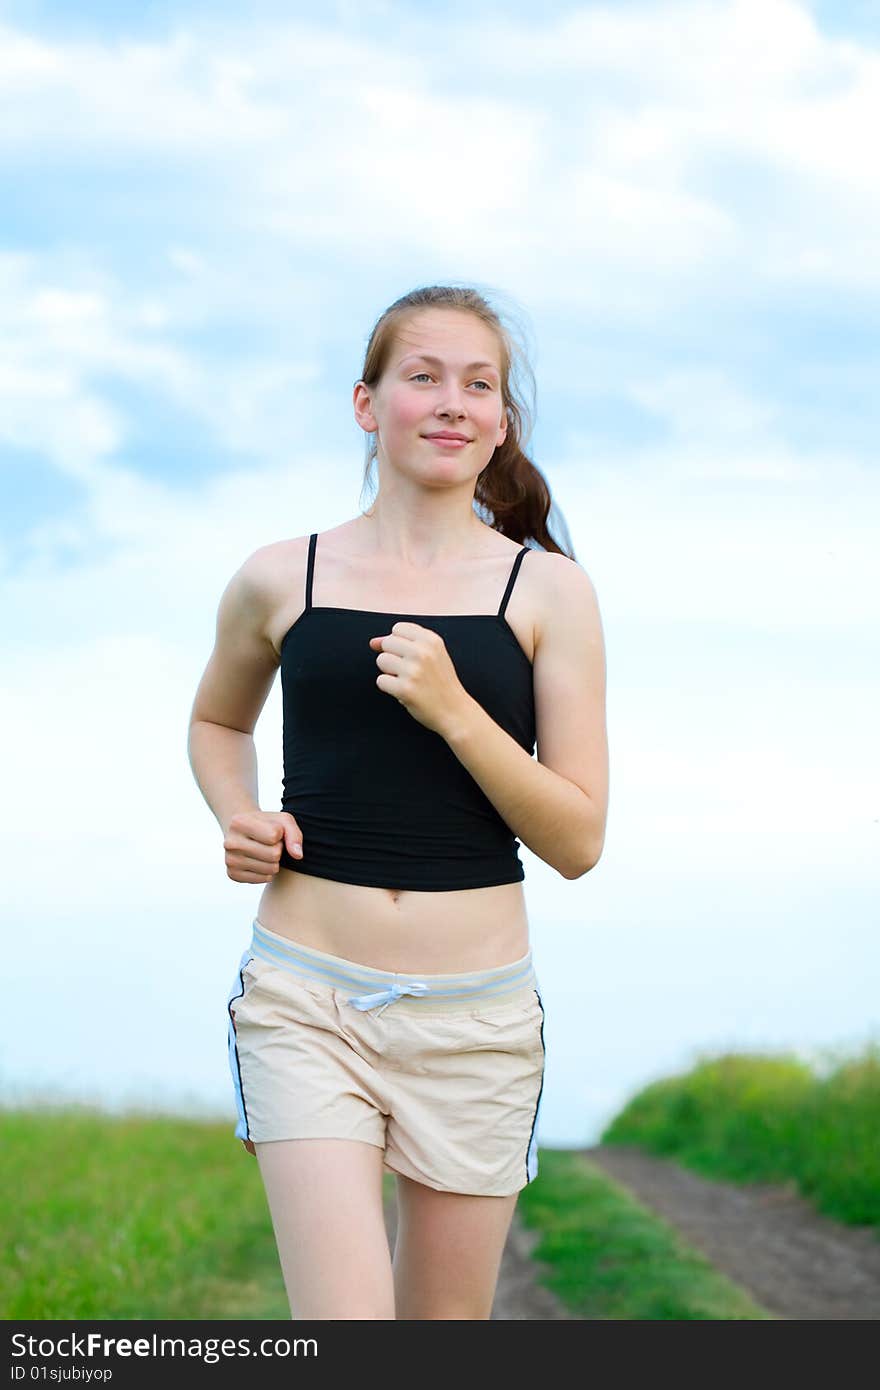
<point x="407" y="411"/>
<point x="492" y="412"/>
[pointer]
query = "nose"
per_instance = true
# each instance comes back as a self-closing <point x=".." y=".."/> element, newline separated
<point x="451" y="404"/>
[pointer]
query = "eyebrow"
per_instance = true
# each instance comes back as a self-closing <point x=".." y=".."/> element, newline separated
<point x="435" y="361"/>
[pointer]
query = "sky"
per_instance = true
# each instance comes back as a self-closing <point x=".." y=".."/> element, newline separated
<point x="203" y="211"/>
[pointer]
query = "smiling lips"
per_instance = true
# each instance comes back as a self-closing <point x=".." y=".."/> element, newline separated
<point x="449" y="439"/>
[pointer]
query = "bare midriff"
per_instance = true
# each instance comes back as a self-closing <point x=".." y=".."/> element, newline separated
<point x="399" y="929"/>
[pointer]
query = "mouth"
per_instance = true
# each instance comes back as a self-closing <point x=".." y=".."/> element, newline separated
<point x="455" y="440"/>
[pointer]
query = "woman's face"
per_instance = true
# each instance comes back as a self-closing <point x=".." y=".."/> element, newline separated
<point x="443" y="373"/>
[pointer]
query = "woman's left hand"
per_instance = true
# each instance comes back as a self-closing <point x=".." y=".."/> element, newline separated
<point x="417" y="669"/>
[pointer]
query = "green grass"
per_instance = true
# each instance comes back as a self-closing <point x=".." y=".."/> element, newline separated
<point x="755" y="1117"/>
<point x="150" y="1217"/>
<point x="611" y="1258"/>
<point x="132" y="1217"/>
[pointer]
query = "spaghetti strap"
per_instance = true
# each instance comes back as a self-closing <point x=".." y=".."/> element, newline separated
<point x="512" y="580"/>
<point x="310" y="569"/>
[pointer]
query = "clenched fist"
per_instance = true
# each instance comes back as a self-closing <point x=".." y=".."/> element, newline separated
<point x="253" y="843"/>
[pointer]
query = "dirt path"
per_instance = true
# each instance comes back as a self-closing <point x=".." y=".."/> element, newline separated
<point x="517" y="1294"/>
<point x="793" y="1261"/>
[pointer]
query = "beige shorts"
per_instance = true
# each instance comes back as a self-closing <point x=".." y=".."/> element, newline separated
<point x="443" y="1072"/>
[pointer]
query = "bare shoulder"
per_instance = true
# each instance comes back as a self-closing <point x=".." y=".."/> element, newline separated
<point x="557" y="571"/>
<point x="268" y="564"/>
<point x="269" y="580"/>
<point x="566" y="598"/>
<point x="244" y="661"/>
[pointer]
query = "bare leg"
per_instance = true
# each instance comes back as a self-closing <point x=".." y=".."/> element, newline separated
<point x="325" y="1200"/>
<point x="448" y="1251"/>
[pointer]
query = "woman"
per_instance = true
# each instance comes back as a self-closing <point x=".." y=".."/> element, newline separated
<point x="386" y="1011"/>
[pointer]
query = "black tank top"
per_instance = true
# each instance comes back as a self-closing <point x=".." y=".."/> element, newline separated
<point x="380" y="799"/>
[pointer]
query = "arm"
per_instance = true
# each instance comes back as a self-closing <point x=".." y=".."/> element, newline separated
<point x="232" y="692"/>
<point x="557" y="805"/>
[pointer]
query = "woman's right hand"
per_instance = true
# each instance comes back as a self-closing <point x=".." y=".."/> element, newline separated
<point x="253" y="843"/>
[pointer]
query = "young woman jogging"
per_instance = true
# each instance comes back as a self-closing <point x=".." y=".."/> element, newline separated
<point x="386" y="1012"/>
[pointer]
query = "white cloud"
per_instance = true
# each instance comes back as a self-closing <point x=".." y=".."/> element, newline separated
<point x="586" y="136"/>
<point x="57" y="341"/>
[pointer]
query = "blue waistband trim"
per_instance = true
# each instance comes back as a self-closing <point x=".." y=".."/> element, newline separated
<point x="381" y="987"/>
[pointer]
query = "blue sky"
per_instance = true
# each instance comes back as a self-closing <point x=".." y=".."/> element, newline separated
<point x="203" y="212"/>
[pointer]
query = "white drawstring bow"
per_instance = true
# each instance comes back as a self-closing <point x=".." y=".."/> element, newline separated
<point x="385" y="997"/>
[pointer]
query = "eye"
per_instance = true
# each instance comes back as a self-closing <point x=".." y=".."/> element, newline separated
<point x="416" y="376"/>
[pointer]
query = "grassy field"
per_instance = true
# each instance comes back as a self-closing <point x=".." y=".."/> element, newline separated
<point x="132" y="1217"/>
<point x="758" y="1118"/>
<point x="148" y="1217"/>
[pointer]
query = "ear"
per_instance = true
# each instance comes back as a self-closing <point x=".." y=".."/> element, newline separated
<point x="363" y="409"/>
